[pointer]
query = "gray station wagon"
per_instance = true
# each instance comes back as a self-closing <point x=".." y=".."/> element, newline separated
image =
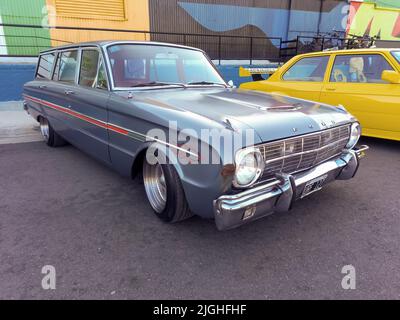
<point x="164" y="113"/>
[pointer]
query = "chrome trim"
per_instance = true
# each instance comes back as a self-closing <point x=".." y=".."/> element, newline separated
<point x="279" y="195"/>
<point x="305" y="152"/>
<point x="260" y="166"/>
<point x="275" y="152"/>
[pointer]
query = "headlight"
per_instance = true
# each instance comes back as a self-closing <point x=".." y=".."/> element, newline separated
<point x="249" y="167"/>
<point x="354" y="135"/>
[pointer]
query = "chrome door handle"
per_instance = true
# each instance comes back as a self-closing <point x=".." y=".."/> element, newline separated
<point x="68" y="92"/>
<point x="43" y="86"/>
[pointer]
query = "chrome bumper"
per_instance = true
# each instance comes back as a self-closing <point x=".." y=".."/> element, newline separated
<point x="278" y="196"/>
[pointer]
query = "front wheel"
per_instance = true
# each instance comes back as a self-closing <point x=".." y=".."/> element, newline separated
<point x="164" y="192"/>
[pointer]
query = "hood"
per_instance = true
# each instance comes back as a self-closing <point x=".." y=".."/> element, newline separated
<point x="271" y="116"/>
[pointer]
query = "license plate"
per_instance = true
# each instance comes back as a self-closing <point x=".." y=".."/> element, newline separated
<point x="314" y="185"/>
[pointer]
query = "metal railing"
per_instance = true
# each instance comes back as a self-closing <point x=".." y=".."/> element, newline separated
<point x="218" y="47"/>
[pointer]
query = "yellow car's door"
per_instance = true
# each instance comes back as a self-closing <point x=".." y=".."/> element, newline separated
<point x="301" y="79"/>
<point x="356" y="83"/>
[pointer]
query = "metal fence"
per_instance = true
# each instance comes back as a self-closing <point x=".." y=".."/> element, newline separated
<point x="29" y="40"/>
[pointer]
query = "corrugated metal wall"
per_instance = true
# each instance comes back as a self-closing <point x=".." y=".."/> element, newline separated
<point x="258" y="18"/>
<point x="125" y="15"/>
<point x="89" y="9"/>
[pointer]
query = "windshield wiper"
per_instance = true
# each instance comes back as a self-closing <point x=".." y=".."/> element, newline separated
<point x="156" y="84"/>
<point x="206" y="83"/>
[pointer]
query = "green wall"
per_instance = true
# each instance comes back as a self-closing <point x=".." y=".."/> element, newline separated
<point x="24" y="41"/>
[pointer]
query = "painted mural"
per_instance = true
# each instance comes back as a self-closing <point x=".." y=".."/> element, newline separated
<point x="266" y="19"/>
<point x="281" y="23"/>
<point x="375" y="18"/>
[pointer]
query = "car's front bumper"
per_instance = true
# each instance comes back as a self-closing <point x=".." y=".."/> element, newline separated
<point x="278" y="196"/>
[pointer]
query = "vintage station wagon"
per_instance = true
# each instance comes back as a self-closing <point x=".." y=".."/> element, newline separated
<point x="152" y="110"/>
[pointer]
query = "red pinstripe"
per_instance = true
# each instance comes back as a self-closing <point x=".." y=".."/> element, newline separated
<point x="78" y="115"/>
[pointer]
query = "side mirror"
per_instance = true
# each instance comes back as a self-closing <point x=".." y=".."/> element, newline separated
<point x="391" y="76"/>
<point x="231" y="84"/>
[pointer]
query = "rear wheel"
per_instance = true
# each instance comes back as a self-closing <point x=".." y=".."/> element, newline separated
<point x="164" y="192"/>
<point x="52" y="138"/>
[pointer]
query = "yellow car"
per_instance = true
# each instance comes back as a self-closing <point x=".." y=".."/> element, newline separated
<point x="366" y="82"/>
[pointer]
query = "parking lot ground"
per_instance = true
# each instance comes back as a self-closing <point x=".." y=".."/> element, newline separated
<point x="16" y="126"/>
<point x="60" y="207"/>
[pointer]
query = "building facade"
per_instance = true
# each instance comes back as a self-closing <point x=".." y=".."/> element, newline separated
<point x="271" y="21"/>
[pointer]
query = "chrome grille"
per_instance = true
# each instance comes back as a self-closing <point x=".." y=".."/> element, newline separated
<point x="303" y="152"/>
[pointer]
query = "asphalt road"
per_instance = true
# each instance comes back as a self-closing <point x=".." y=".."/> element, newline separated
<point x="59" y="207"/>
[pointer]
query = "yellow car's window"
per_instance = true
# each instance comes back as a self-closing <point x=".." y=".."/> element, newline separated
<point x="364" y="68"/>
<point x="396" y="55"/>
<point x="308" y="69"/>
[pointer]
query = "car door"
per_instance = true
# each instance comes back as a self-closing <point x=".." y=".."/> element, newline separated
<point x="356" y="83"/>
<point x="89" y="104"/>
<point x="57" y="100"/>
<point x="303" y="79"/>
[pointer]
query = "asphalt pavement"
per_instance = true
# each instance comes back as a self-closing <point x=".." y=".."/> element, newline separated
<point x="60" y="207"/>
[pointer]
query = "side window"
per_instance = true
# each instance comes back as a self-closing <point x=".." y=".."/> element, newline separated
<point x="365" y="68"/>
<point x="308" y="69"/>
<point x="89" y="64"/>
<point x="102" y="82"/>
<point x="45" y="66"/>
<point x="66" y="66"/>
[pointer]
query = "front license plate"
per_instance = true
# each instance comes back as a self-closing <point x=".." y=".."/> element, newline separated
<point x="314" y="185"/>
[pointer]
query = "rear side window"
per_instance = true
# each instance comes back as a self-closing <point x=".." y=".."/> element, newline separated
<point x="45" y="66"/>
<point x="308" y="69"/>
<point x="66" y="66"/>
<point x="365" y="68"/>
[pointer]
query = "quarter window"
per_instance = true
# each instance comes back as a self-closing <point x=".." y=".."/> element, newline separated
<point x="308" y="69"/>
<point x="66" y="66"/>
<point x="102" y="82"/>
<point x="359" y="68"/>
<point x="45" y="66"/>
<point x="89" y="64"/>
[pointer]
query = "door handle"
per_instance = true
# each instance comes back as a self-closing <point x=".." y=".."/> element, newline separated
<point x="330" y="89"/>
<point x="43" y="86"/>
<point x="68" y="92"/>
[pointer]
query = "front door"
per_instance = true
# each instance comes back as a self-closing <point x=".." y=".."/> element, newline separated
<point x="89" y="105"/>
<point x="356" y="83"/>
<point x="304" y="79"/>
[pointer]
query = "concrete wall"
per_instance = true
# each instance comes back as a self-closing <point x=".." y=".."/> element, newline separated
<point x="12" y="79"/>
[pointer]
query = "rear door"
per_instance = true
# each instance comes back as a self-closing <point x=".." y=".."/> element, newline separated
<point x="58" y="100"/>
<point x="304" y="79"/>
<point x="89" y="104"/>
<point x="356" y="83"/>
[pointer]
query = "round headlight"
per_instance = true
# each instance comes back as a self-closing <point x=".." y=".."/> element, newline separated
<point x="354" y="135"/>
<point x="249" y="167"/>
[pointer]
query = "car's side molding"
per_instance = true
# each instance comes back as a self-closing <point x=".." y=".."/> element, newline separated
<point x="105" y="125"/>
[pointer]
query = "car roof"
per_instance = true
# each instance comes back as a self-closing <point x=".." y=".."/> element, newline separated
<point x="349" y="51"/>
<point x="105" y="43"/>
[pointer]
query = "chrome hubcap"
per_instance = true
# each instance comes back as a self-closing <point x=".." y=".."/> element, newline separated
<point x="44" y="128"/>
<point x="155" y="186"/>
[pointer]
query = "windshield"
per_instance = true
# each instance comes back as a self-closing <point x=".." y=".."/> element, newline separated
<point x="139" y="65"/>
<point x="396" y="55"/>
